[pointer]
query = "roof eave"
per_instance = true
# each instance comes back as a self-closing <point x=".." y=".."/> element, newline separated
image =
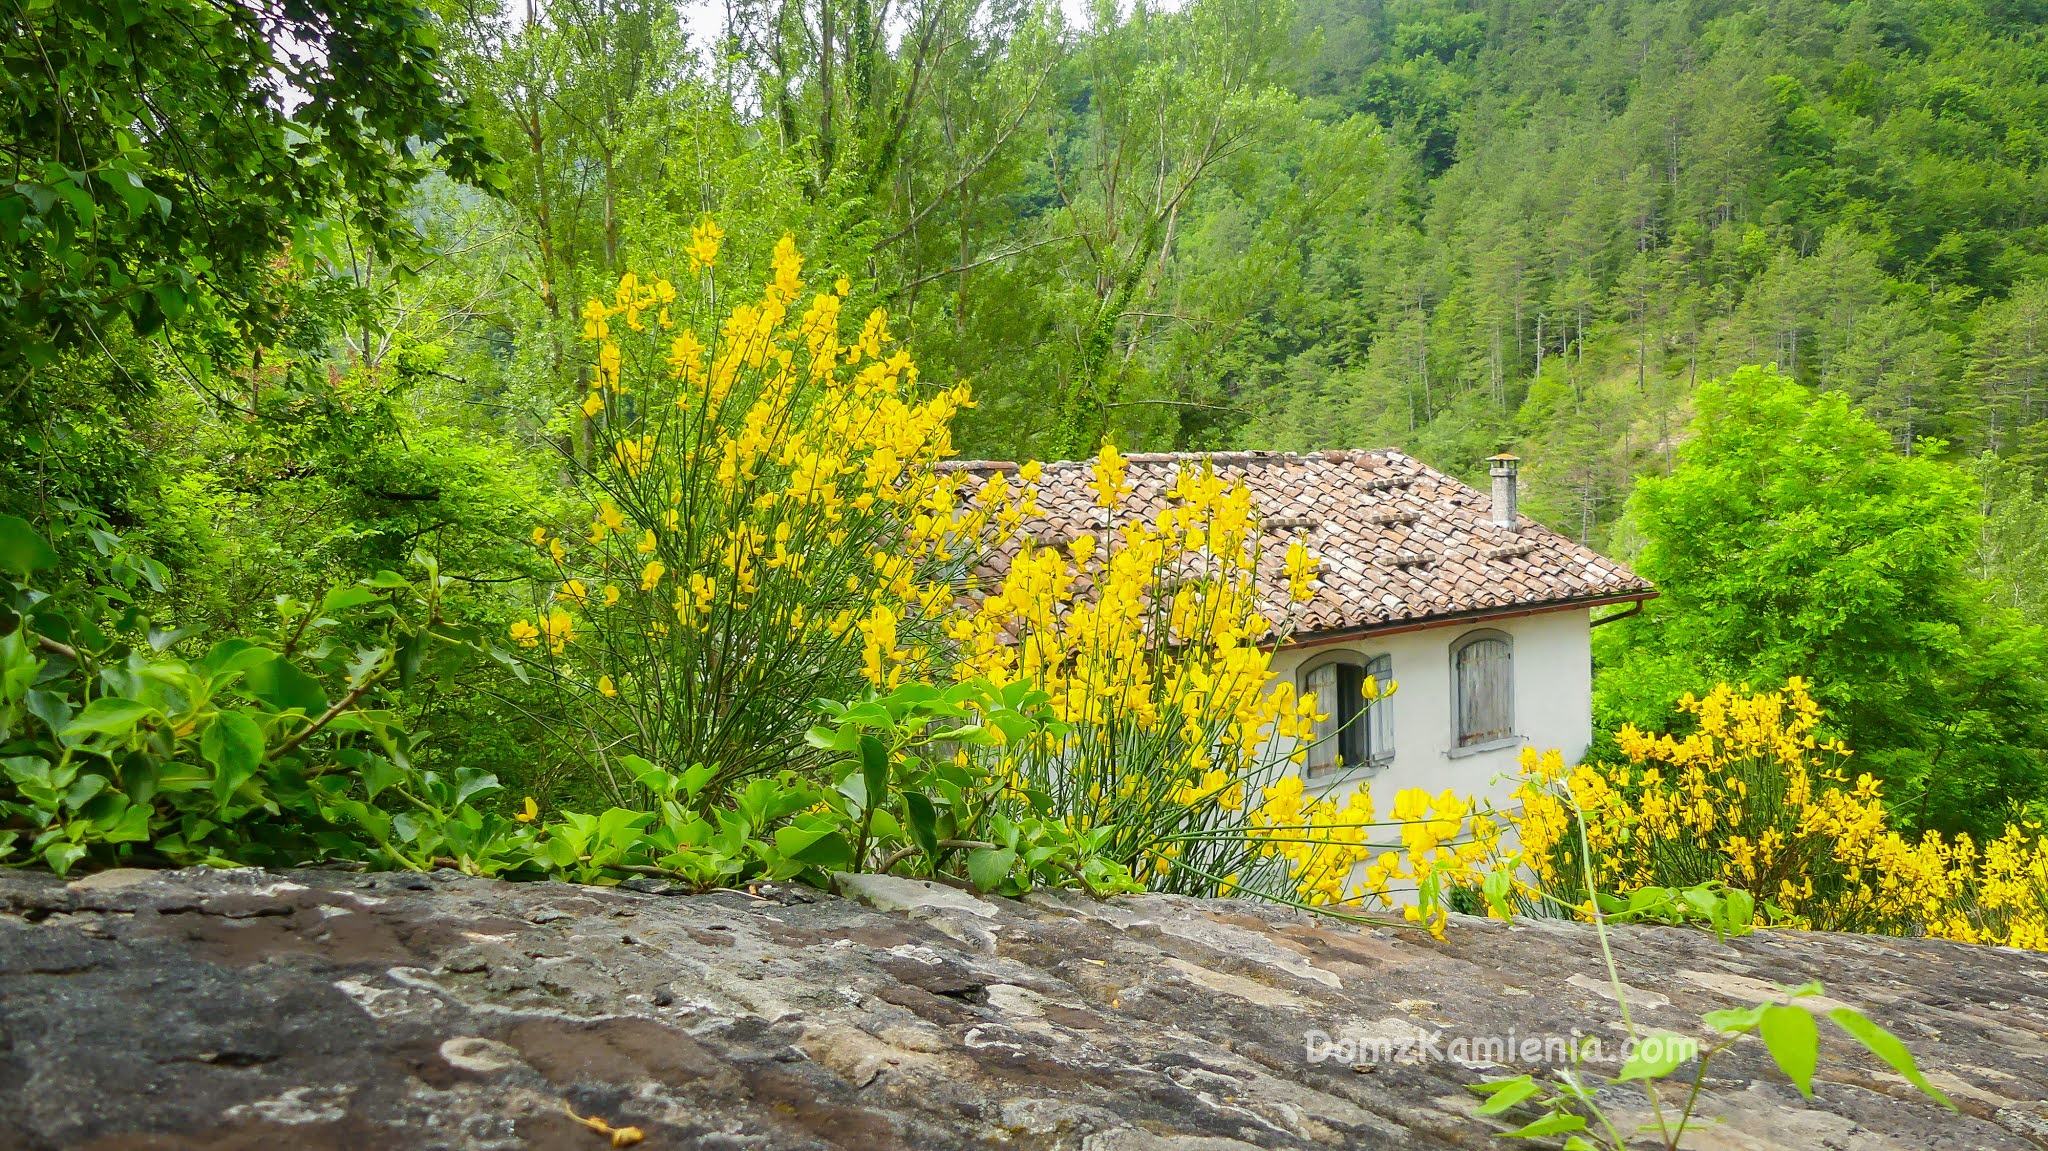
<point x="1475" y="615"/>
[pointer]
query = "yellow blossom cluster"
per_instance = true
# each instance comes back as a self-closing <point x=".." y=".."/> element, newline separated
<point x="764" y="521"/>
<point x="1754" y="797"/>
<point x="1150" y="638"/>
<point x="1323" y="842"/>
<point x="1149" y="635"/>
<point x="1337" y="856"/>
<point x="1155" y="621"/>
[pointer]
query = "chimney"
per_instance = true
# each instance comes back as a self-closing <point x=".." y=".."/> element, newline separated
<point x="1502" y="468"/>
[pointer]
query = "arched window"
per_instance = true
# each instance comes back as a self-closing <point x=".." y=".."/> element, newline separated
<point x="1483" y="688"/>
<point x="1354" y="735"/>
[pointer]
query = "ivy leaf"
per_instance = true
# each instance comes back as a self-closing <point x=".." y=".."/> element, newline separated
<point x="82" y="790"/>
<point x="60" y="856"/>
<point x="471" y="782"/>
<point x="53" y="709"/>
<point x="379" y="773"/>
<point x="988" y="867"/>
<point x="131" y="826"/>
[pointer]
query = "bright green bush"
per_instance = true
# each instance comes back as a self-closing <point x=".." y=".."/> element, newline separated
<point x="278" y="746"/>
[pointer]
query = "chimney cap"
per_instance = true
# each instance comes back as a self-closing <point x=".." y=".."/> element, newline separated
<point x="1504" y="458"/>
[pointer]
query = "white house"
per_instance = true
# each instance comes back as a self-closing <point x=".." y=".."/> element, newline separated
<point x="1481" y="615"/>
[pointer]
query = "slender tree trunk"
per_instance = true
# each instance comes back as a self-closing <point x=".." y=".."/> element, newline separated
<point x="825" y="141"/>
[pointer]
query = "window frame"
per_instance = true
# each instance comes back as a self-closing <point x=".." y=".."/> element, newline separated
<point x="1376" y="733"/>
<point x="1459" y="744"/>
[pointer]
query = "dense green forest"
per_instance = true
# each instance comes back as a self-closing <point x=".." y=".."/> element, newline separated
<point x="322" y="310"/>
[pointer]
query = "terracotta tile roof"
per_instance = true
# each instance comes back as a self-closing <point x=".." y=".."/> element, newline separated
<point x="1401" y="543"/>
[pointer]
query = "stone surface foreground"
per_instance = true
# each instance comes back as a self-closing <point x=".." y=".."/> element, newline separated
<point x="316" y="1010"/>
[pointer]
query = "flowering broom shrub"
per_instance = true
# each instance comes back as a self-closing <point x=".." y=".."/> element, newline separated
<point x="764" y="526"/>
<point x="1147" y="637"/>
<point x="1754" y="799"/>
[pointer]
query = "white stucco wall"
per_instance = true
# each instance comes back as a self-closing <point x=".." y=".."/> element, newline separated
<point x="1553" y="704"/>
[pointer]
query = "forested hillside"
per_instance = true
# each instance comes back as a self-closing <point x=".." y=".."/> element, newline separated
<point x="1453" y="227"/>
<point x="1599" y="206"/>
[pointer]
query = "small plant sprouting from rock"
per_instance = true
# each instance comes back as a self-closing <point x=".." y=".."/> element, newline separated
<point x="1570" y="1106"/>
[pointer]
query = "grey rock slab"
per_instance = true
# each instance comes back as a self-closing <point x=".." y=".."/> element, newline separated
<point x="897" y="893"/>
<point x="174" y="1011"/>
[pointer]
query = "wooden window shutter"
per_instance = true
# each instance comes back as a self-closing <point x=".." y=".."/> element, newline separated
<point x="1484" y="671"/>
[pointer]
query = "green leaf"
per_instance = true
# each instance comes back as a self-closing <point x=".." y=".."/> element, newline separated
<point x="233" y="656"/>
<point x="1657" y="1055"/>
<point x="1555" y="1123"/>
<point x="695" y="777"/>
<point x="874" y="770"/>
<point x="883" y="826"/>
<point x="412" y="655"/>
<point x="281" y="685"/>
<point x="233" y="744"/>
<point x="1496" y="886"/>
<point x="53" y="709"/>
<point x="1887" y="1047"/>
<point x="60" y="856"/>
<point x="923" y="823"/>
<point x="160" y="639"/>
<point x="1740" y="912"/>
<point x="132" y="826"/>
<point x="843" y="738"/>
<point x="1509" y="1094"/>
<point x="1794" y="1042"/>
<point x="471" y="782"/>
<point x="1702" y="900"/>
<point x="22" y="548"/>
<point x="340" y="599"/>
<point x="988" y="867"/>
<point x="818" y="846"/>
<point x="1735" y="1022"/>
<point x="82" y="790"/>
<point x="378" y="773"/>
<point x="1644" y="898"/>
<point x="109" y="715"/>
